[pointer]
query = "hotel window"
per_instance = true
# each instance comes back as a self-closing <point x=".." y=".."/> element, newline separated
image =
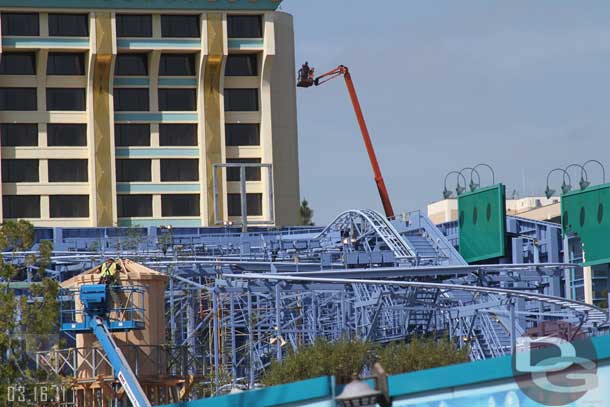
<point x="69" y="206"/>
<point x="17" y="135"/>
<point x="252" y="173"/>
<point x="21" y="24"/>
<point x="20" y="206"/>
<point x="254" y="202"/>
<point x="244" y="26"/>
<point x="69" y="25"/>
<point x="133" y="25"/>
<point x="68" y="171"/>
<point x="131" y="65"/>
<point x="18" y="63"/>
<point x="242" y="135"/>
<point x="179" y="170"/>
<point x="177" y="65"/>
<point x="180" y="26"/>
<point x="132" y="170"/>
<point x="66" y="135"/>
<point x="20" y="170"/>
<point x="241" y="100"/>
<point x="242" y="65"/>
<point x="131" y="99"/>
<point x="177" y="134"/>
<point x="128" y="135"/>
<point x="177" y="99"/>
<point x="66" y="63"/>
<point x="17" y="99"/>
<point x="134" y="206"/>
<point x="180" y="205"/>
<point x="69" y="99"/>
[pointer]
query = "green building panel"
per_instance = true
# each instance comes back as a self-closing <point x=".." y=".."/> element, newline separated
<point x="482" y="223"/>
<point x="586" y="213"/>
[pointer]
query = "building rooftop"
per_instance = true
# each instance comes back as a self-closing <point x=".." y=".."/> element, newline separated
<point x="146" y="4"/>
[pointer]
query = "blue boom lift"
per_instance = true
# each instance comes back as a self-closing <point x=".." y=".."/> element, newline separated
<point x="101" y="317"/>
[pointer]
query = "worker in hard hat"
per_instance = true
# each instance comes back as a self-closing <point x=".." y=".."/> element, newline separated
<point x="109" y="272"/>
<point x="306" y="76"/>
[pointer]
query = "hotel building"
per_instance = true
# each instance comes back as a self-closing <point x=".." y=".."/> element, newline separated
<point x="123" y="112"/>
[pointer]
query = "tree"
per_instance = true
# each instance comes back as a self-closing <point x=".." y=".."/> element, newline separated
<point x="30" y="312"/>
<point x="345" y="357"/>
<point x="305" y="214"/>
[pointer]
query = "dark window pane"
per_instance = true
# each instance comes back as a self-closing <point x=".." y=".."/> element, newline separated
<point x="177" y="99"/>
<point x="242" y="135"/>
<point x="68" y="171"/>
<point x="66" y="63"/>
<point x="18" y="63"/>
<point x="242" y="65"/>
<point x="132" y="170"/>
<point x="131" y="99"/>
<point x="131" y="65"/>
<point x="241" y="100"/>
<point x="22" y="206"/>
<point x="180" y="205"/>
<point x="177" y="65"/>
<point x="134" y="206"/>
<point x="66" y="99"/>
<point x="18" y="99"/>
<point x="126" y="135"/>
<point x="178" y="134"/>
<point x="244" y="26"/>
<point x="179" y="170"/>
<point x="69" y="25"/>
<point x="69" y="206"/>
<point x="133" y="25"/>
<point x="180" y="26"/>
<point x="252" y="173"/>
<point x="254" y="202"/>
<point x="20" y="170"/>
<point x="14" y="135"/>
<point x="20" y="24"/>
<point x="72" y="135"/>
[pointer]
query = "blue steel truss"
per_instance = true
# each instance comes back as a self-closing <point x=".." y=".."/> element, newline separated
<point x="237" y="301"/>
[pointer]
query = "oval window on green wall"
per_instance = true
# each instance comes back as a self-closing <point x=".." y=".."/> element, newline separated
<point x="461" y="218"/>
<point x="488" y="212"/>
<point x="564" y="219"/>
<point x="475" y="215"/>
<point x="582" y="216"/>
<point x="600" y="213"/>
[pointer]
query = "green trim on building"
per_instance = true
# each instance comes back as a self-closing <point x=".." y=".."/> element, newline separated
<point x="154" y="117"/>
<point x="135" y="188"/>
<point x="135" y="152"/>
<point x="146" y="4"/>
<point x="246" y="43"/>
<point x="131" y="81"/>
<point x="177" y="82"/>
<point x="148" y="43"/>
<point x="186" y="223"/>
<point x="45" y="42"/>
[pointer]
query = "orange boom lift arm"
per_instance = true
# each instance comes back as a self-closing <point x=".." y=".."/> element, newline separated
<point x="306" y="80"/>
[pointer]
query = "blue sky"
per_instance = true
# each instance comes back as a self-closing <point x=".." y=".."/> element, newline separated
<point x="521" y="85"/>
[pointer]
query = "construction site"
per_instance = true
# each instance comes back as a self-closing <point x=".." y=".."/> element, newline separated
<point x="161" y="307"/>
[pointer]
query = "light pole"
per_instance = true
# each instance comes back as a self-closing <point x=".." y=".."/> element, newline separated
<point x="491" y="170"/>
<point x="459" y="189"/>
<point x="584" y="177"/>
<point x="565" y="188"/>
<point x="601" y="166"/>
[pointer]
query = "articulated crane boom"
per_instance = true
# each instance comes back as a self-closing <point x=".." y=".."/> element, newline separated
<point x="306" y="79"/>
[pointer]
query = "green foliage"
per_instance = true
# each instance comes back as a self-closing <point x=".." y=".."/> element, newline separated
<point x="31" y="318"/>
<point x="420" y="354"/>
<point x="343" y="358"/>
<point x="340" y="359"/>
<point x="305" y="214"/>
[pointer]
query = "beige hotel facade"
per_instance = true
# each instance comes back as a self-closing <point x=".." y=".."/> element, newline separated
<point x="120" y="112"/>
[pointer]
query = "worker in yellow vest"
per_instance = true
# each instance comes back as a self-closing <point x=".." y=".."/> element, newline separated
<point x="109" y="272"/>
